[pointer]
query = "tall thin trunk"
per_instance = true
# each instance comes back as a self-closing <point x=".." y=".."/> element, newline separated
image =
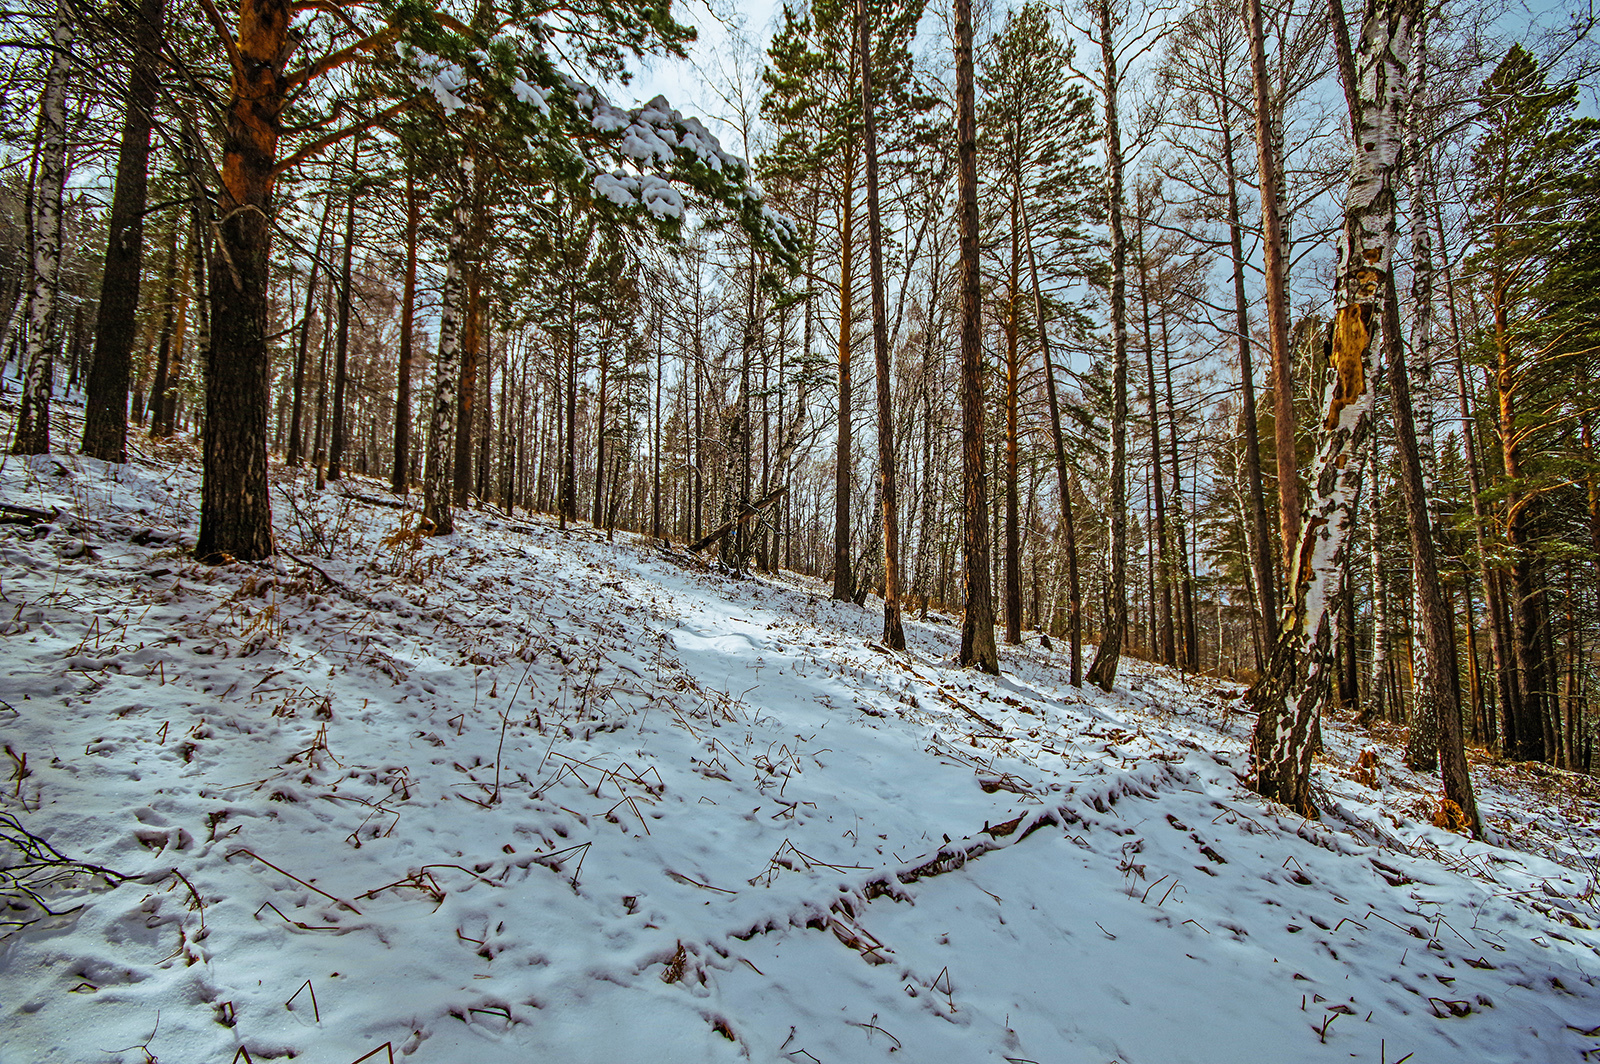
<point x="105" y="424"/>
<point x="1191" y="637"/>
<point x="1436" y="690"/>
<point x="471" y="356"/>
<point x="843" y="583"/>
<point x="408" y="315"/>
<point x="1058" y="441"/>
<point x="169" y="313"/>
<point x="1261" y="554"/>
<point x="1422" y="751"/>
<point x="893" y="635"/>
<point x="1103" y="673"/>
<point x="295" y="451"/>
<point x="977" y="626"/>
<point x="1272" y="240"/>
<point x="1013" y="533"/>
<point x="33" y="420"/>
<point x="1160" y="572"/>
<point x="336" y="441"/>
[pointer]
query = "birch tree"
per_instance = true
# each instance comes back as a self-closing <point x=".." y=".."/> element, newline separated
<point x="33" y="420"/>
<point x="1289" y="696"/>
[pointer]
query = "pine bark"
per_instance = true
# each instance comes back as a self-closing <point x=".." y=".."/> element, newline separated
<point x="105" y="425"/>
<point x="235" y="509"/>
<point x="978" y="648"/>
<point x="893" y="634"/>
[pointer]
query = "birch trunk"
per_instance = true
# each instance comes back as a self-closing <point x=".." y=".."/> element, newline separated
<point x="408" y="303"/>
<point x="1103" y="673"/>
<point x="33" y="421"/>
<point x="1290" y="695"/>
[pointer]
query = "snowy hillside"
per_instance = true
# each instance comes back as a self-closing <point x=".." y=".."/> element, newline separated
<point x="515" y="795"/>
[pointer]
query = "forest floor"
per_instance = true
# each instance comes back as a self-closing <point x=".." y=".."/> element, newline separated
<point x="517" y="795"/>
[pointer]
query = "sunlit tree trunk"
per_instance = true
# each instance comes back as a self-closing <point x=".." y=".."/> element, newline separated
<point x="1289" y="696"/>
<point x="977" y="627"/>
<point x="893" y="635"/>
<point x="1273" y="246"/>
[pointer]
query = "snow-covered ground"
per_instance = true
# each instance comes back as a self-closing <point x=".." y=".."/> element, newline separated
<point x="514" y="795"/>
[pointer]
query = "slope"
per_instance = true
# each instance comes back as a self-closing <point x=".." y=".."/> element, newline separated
<point x="516" y="794"/>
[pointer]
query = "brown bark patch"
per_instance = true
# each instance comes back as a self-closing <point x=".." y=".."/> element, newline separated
<point x="1352" y="334"/>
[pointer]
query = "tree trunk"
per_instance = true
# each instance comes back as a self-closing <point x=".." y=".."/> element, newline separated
<point x="336" y="441"/>
<point x="437" y="517"/>
<point x="1289" y="696"/>
<point x="169" y="314"/>
<point x="843" y="586"/>
<point x="105" y="424"/>
<point x="1272" y="240"/>
<point x="471" y="355"/>
<point x="33" y="420"/>
<point x="1160" y="574"/>
<point x="977" y="626"/>
<point x="1261" y="556"/>
<point x="1378" y="693"/>
<point x="235" y="508"/>
<point x="408" y="305"/>
<point x="1058" y="440"/>
<point x="893" y="635"/>
<point x="1436" y="690"/>
<point x="1013" y="534"/>
<point x="1103" y="673"/>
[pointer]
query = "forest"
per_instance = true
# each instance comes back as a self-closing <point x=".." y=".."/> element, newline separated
<point x="1214" y="380"/>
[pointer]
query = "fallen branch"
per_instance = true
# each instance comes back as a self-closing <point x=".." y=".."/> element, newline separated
<point x="750" y="512"/>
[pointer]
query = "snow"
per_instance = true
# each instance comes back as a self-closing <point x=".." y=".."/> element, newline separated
<point x="519" y="795"/>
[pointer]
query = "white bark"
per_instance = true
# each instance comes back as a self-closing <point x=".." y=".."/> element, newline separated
<point x="436" y="481"/>
<point x="33" y="423"/>
<point x="1290" y="696"/>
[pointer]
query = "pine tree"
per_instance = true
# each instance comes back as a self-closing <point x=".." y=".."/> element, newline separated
<point x="1038" y="130"/>
<point x="639" y="163"/>
<point x="814" y="99"/>
<point x="1531" y="177"/>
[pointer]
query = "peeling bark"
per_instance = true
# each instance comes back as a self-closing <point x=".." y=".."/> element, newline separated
<point x="1289" y="696"/>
